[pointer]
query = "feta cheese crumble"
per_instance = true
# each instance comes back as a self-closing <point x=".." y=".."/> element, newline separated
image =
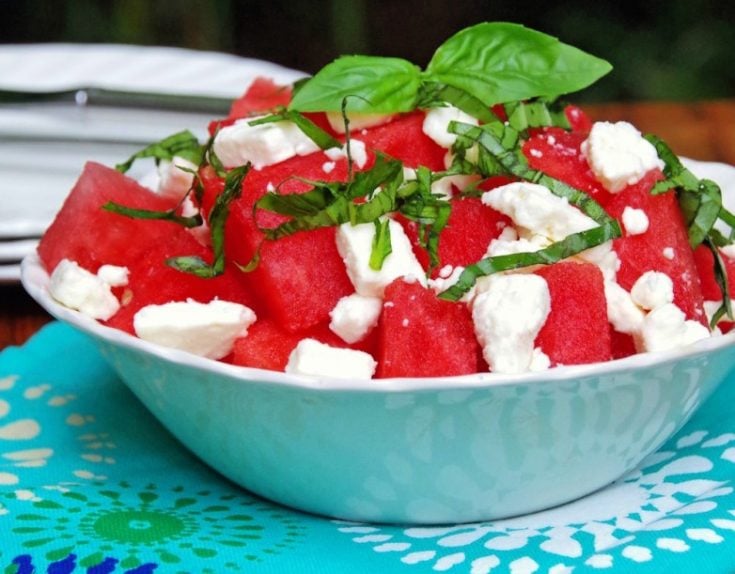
<point x="508" y="312"/>
<point x="618" y="155"/>
<point x="666" y="327"/>
<point x="354" y="316"/>
<point x="79" y="289"/>
<point x="354" y="243"/>
<point x="261" y="145"/>
<point x="437" y="120"/>
<point x="205" y="329"/>
<point x="175" y="177"/>
<point x="310" y="357"/>
<point x="652" y="290"/>
<point x="534" y="208"/>
<point x="635" y="221"/>
<point x="357" y="151"/>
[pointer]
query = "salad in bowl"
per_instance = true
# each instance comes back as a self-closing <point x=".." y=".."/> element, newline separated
<point x="395" y="294"/>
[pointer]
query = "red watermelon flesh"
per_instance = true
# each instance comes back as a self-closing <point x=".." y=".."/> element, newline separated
<point x="301" y="277"/>
<point x="268" y="346"/>
<point x="262" y="95"/>
<point x="576" y="330"/>
<point x="91" y="236"/>
<point x="648" y="251"/>
<point x="152" y="282"/>
<point x="465" y="239"/>
<point x="705" y="262"/>
<point x="423" y="336"/>
<point x="557" y="153"/>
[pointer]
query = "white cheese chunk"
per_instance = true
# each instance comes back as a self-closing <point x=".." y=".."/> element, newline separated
<point x="728" y="251"/>
<point x="508" y="312"/>
<point x="354" y="244"/>
<point x="622" y="312"/>
<point x="357" y="121"/>
<point x="357" y="151"/>
<point x="175" y="177"/>
<point x="310" y="357"/>
<point x="666" y="327"/>
<point x="537" y="210"/>
<point x="114" y="275"/>
<point x="618" y="155"/>
<point x="652" y="290"/>
<point x="261" y="145"/>
<point x="668" y="253"/>
<point x="76" y="288"/>
<point x="635" y="221"/>
<point x="354" y="316"/>
<point x="436" y="124"/>
<point x="205" y="329"/>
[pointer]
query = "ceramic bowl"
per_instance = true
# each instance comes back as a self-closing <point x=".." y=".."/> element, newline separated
<point x="413" y="450"/>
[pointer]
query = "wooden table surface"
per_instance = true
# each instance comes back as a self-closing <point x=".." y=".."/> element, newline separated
<point x="699" y="130"/>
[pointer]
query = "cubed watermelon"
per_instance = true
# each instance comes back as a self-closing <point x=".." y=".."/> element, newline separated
<point x="423" y="336"/>
<point x="663" y="247"/>
<point x="576" y="330"/>
<point x="465" y="239"/>
<point x="91" y="236"/>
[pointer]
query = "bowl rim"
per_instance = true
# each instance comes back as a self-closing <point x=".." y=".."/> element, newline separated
<point x="34" y="279"/>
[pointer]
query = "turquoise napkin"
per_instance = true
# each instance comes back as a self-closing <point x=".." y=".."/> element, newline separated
<point x="91" y="483"/>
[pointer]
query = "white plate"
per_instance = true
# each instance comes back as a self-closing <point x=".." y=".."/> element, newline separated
<point x="35" y="176"/>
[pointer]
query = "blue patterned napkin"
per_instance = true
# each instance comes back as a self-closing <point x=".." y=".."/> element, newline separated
<point x="91" y="483"/>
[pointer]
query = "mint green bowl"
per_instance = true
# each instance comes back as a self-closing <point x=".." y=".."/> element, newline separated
<point x="413" y="450"/>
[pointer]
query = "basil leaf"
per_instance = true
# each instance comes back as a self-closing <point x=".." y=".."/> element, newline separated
<point x="435" y="94"/>
<point x="722" y="282"/>
<point x="570" y="245"/>
<point x="502" y="143"/>
<point x="381" y="245"/>
<point x="217" y="219"/>
<point x="700" y="201"/>
<point x="171" y="215"/>
<point x="182" y="144"/>
<point x="499" y="62"/>
<point x="535" y="114"/>
<point x="373" y="84"/>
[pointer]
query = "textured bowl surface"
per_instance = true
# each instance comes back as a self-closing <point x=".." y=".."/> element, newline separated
<point x="413" y="450"/>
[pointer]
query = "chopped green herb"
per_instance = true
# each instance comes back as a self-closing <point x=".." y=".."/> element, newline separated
<point x="217" y="219"/>
<point x="489" y="63"/>
<point x="182" y="144"/>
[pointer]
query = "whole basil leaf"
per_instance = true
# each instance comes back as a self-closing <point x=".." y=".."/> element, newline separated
<point x="499" y="62"/>
<point x="370" y="83"/>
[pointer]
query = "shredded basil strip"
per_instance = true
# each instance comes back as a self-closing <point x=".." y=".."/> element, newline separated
<point x="171" y="215"/>
<point x="502" y="143"/>
<point x="720" y="270"/>
<point x="700" y="200"/>
<point x="435" y="94"/>
<point x="570" y="245"/>
<point x="309" y="128"/>
<point x="182" y="144"/>
<point x="337" y="201"/>
<point x="381" y="245"/>
<point x="535" y="114"/>
<point x="217" y="219"/>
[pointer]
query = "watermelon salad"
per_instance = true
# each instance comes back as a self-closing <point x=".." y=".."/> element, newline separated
<point x="379" y="220"/>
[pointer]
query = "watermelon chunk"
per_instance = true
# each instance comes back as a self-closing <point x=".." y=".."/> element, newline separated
<point x="557" y="153"/>
<point x="422" y="336"/>
<point x="152" y="282"/>
<point x="465" y="239"/>
<point x="576" y="330"/>
<point x="91" y="236"/>
<point x="663" y="247"/>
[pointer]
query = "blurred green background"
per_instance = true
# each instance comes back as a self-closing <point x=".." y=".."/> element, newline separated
<point x="665" y="50"/>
